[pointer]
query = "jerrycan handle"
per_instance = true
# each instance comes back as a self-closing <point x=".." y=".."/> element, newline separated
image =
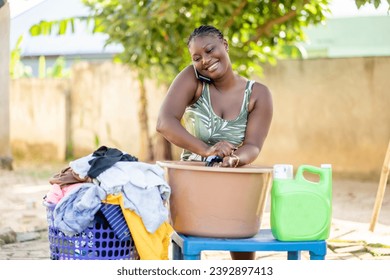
<point x="311" y="169"/>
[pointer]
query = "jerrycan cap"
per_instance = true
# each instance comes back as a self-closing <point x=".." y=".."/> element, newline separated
<point x="326" y="165"/>
<point x="283" y="171"/>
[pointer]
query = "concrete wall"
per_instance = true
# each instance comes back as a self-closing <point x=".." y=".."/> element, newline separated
<point x="97" y="106"/>
<point x="104" y="107"/>
<point x="330" y="111"/>
<point x="39" y="118"/>
<point x="325" y="111"/>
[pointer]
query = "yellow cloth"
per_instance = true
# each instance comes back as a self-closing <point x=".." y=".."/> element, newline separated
<point x="149" y="246"/>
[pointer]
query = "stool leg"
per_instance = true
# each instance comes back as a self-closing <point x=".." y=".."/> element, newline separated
<point x="294" y="255"/>
<point x="176" y="251"/>
<point x="191" y="257"/>
<point x="314" y="256"/>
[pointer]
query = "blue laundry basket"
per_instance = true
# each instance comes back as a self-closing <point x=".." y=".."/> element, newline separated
<point x="97" y="242"/>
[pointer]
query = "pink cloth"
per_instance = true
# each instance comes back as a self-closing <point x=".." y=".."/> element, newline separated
<point x="57" y="192"/>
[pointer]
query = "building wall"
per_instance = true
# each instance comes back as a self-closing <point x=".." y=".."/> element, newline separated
<point x="39" y="112"/>
<point x="105" y="107"/>
<point x="325" y="111"/>
<point x="330" y="111"/>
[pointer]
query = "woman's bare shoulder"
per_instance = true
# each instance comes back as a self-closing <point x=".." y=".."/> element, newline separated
<point x="185" y="86"/>
<point x="260" y="88"/>
<point x="261" y="96"/>
<point x="187" y="74"/>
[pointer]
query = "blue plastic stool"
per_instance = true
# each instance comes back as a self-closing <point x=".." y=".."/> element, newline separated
<point x="185" y="247"/>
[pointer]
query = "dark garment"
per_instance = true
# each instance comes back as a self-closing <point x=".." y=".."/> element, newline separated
<point x="116" y="220"/>
<point x="68" y="177"/>
<point x="104" y="158"/>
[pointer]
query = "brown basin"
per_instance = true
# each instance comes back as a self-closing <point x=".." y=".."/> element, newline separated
<point x="217" y="201"/>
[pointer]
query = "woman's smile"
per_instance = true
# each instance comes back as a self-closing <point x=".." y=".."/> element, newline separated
<point x="213" y="67"/>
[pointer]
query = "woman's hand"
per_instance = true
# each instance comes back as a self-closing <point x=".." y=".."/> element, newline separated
<point x="225" y="150"/>
<point x="221" y="149"/>
<point x="230" y="161"/>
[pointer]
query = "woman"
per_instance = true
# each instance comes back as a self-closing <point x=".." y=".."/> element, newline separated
<point x="223" y="113"/>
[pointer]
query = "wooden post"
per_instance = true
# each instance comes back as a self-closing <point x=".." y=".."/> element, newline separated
<point x="381" y="189"/>
<point x="5" y="146"/>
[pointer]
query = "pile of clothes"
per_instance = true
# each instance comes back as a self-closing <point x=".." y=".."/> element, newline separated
<point x="107" y="180"/>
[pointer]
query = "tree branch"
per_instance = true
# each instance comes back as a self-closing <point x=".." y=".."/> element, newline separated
<point x="235" y="14"/>
<point x="265" y="29"/>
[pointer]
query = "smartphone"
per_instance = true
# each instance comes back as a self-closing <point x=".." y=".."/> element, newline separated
<point x="201" y="77"/>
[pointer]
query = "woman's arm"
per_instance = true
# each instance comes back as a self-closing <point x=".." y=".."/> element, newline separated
<point x="184" y="90"/>
<point x="259" y="122"/>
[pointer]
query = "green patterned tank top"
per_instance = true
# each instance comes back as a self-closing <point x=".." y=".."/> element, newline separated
<point x="200" y="120"/>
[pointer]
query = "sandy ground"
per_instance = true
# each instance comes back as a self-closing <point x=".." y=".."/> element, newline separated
<point x="22" y="191"/>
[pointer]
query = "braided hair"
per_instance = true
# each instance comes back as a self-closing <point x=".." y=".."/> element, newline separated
<point x="204" y="30"/>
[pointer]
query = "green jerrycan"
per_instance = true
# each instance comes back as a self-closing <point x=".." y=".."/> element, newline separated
<point x="301" y="209"/>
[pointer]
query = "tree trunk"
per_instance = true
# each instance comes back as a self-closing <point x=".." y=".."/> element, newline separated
<point x="162" y="148"/>
<point x="5" y="149"/>
<point x="146" y="145"/>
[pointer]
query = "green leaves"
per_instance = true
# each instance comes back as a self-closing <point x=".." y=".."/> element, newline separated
<point x="360" y="3"/>
<point x="376" y="3"/>
<point x="153" y="33"/>
<point x="55" y="27"/>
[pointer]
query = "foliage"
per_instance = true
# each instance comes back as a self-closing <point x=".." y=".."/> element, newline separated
<point x="58" y="70"/>
<point x="153" y="33"/>
<point x="17" y="68"/>
<point x="376" y="3"/>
